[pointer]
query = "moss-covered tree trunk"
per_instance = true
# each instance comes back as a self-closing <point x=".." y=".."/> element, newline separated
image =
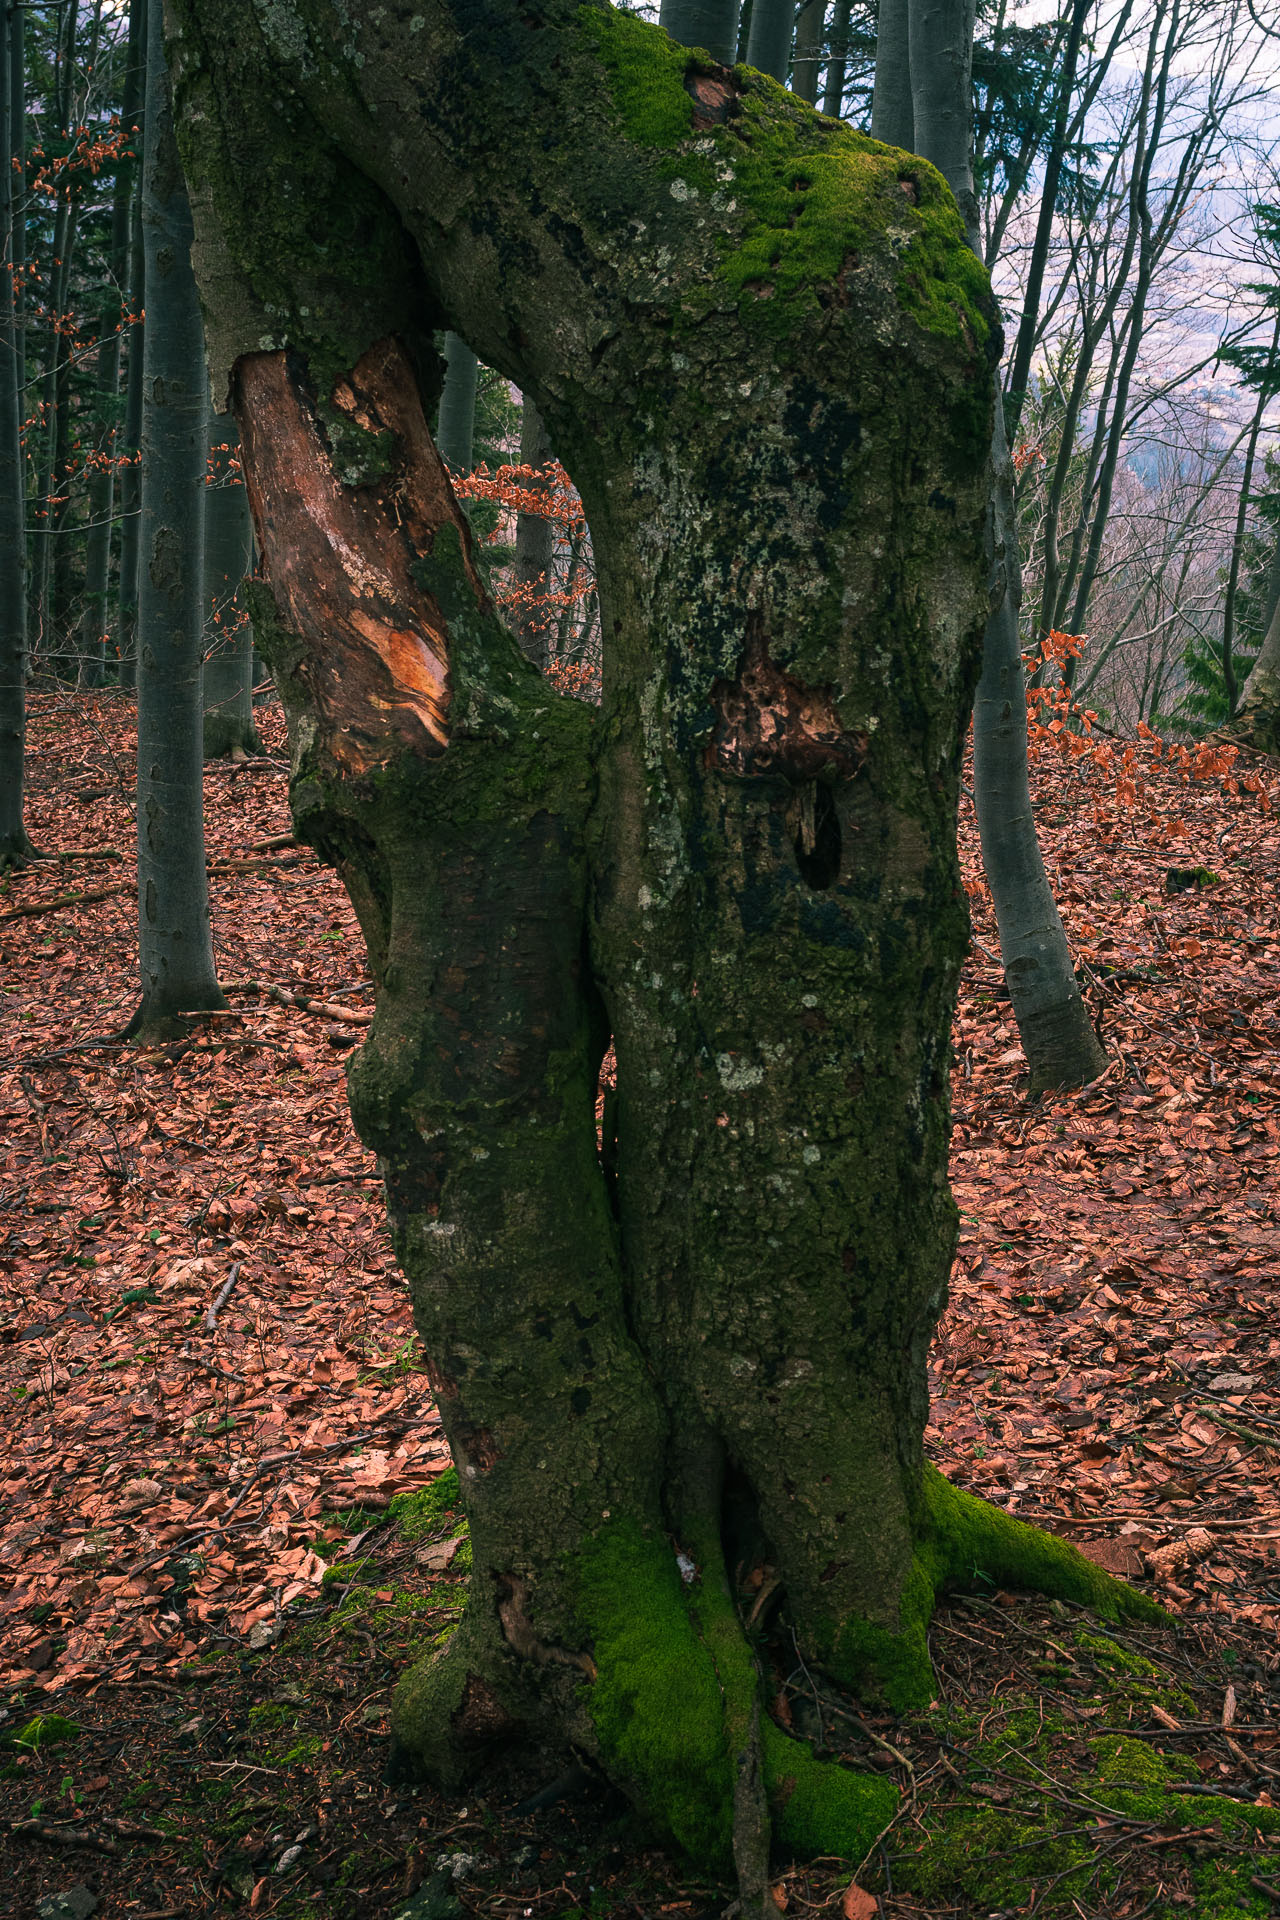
<point x="764" y="351"/>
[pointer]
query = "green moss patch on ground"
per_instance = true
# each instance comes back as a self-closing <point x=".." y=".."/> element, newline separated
<point x="1066" y="1765"/>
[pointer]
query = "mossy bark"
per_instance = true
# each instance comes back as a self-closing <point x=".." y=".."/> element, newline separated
<point x="764" y="351"/>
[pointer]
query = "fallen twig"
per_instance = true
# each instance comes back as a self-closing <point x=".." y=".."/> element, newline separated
<point x="224" y="1294"/>
<point x="61" y="1836"/>
<point x="83" y="898"/>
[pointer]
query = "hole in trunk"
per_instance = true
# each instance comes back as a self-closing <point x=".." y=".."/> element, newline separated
<point x="818" y="841"/>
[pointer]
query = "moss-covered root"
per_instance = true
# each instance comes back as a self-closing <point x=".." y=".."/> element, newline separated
<point x="456" y="1702"/>
<point x="964" y="1542"/>
<point x="968" y="1539"/>
<point x="673" y="1690"/>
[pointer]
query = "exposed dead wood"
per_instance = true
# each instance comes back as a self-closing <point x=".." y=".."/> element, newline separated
<point x="340" y="558"/>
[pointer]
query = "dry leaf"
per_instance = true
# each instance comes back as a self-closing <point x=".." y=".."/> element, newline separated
<point x="857" y="1904"/>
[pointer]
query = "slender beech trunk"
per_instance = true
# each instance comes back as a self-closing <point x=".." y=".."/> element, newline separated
<point x="1266" y="393"/>
<point x="892" y="115"/>
<point x="811" y="35"/>
<point x="1057" y="1035"/>
<point x="456" y="428"/>
<point x="769" y="42"/>
<point x="95" y="620"/>
<point x="709" y="24"/>
<point x="535" y="548"/>
<point x="838" y="65"/>
<point x="743" y="867"/>
<point x="175" y="945"/>
<point x="228" y="562"/>
<point x="17" y="30"/>
<point x="130" y="491"/>
<point x="15" y="848"/>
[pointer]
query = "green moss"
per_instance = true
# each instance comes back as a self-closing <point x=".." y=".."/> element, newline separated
<point x="656" y="1704"/>
<point x="1225" y="1891"/>
<point x="1109" y="1655"/>
<point x="818" y="199"/>
<point x="965" y="1542"/>
<point x="673" y="1700"/>
<point x="646" y="72"/>
<point x="436" y="1509"/>
<point x="46" y="1730"/>
<point x="271" y="1714"/>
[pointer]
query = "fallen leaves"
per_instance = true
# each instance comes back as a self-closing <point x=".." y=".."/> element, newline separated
<point x="1107" y="1365"/>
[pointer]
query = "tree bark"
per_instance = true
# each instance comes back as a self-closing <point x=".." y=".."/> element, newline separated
<point x="455" y="430"/>
<point x="769" y="41"/>
<point x="15" y="847"/>
<point x="175" y="945"/>
<point x="1258" y="722"/>
<point x="838" y="65"/>
<point x="1057" y="1035"/>
<point x="707" y="1346"/>
<point x="227" y="677"/>
<point x="806" y="66"/>
<point x="892" y="114"/>
<point x="709" y="24"/>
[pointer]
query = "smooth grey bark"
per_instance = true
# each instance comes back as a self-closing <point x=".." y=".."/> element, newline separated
<point x="456" y="426"/>
<point x="15" y="847"/>
<point x="227" y="679"/>
<point x="769" y="42"/>
<point x="892" y="113"/>
<point x="534" y="546"/>
<point x="130" y="490"/>
<point x="709" y="24"/>
<point x="95" y="618"/>
<point x="1057" y="1034"/>
<point x="806" y="65"/>
<point x="838" y="65"/>
<point x="175" y="945"/>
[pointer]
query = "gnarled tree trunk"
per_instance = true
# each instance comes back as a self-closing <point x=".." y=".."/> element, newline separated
<point x="763" y="349"/>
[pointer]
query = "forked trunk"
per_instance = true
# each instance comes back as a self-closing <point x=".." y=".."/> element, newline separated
<point x="698" y="1347"/>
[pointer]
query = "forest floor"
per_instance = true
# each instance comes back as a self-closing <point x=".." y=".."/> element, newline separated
<point x="219" y="1539"/>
